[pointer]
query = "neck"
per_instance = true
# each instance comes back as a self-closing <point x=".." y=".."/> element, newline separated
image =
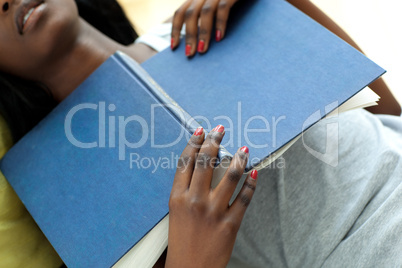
<point x="64" y="73"/>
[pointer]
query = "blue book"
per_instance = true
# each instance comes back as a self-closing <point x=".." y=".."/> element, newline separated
<point x="96" y="173"/>
<point x="265" y="80"/>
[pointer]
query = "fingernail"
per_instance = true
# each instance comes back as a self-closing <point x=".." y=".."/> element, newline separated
<point x="198" y="131"/>
<point x="201" y="45"/>
<point x="254" y="174"/>
<point x="244" y="149"/>
<point x="219" y="128"/>
<point x="172" y="43"/>
<point x="188" y="50"/>
<point x="218" y="35"/>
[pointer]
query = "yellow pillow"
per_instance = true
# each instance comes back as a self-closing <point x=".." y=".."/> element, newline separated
<point x="22" y="244"/>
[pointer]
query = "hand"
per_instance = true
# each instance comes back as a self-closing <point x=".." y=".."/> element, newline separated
<point x="202" y="225"/>
<point x="204" y="11"/>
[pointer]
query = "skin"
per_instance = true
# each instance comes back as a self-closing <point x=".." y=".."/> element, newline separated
<point x="60" y="60"/>
<point x="387" y="104"/>
<point x="61" y="50"/>
<point x="200" y="13"/>
<point x="208" y="217"/>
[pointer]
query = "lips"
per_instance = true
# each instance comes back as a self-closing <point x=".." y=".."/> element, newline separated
<point x="24" y="12"/>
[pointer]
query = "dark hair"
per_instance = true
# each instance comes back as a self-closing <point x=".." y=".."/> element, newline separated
<point x="108" y="17"/>
<point x="24" y="103"/>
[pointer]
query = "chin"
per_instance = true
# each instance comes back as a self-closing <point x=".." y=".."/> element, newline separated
<point x="58" y="33"/>
<point x="50" y="31"/>
<point x="52" y="37"/>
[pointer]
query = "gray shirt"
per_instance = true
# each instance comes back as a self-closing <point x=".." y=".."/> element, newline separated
<point x="334" y="199"/>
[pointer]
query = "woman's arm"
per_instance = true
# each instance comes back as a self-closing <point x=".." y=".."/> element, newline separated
<point x="387" y="104"/>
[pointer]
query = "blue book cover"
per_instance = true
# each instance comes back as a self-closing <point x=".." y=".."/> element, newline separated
<point x="274" y="69"/>
<point x="96" y="173"/>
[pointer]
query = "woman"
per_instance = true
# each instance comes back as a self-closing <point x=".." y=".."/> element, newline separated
<point x="23" y="103"/>
<point x="48" y="43"/>
<point x="56" y="48"/>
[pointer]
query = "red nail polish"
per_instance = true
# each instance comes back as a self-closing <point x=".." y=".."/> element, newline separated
<point x="198" y="131"/>
<point x="188" y="50"/>
<point x="219" y="129"/>
<point x="172" y="43"/>
<point x="254" y="174"/>
<point x="218" y="35"/>
<point x="244" y="149"/>
<point x="201" y="45"/>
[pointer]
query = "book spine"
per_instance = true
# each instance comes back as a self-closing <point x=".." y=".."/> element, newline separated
<point x="170" y="104"/>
